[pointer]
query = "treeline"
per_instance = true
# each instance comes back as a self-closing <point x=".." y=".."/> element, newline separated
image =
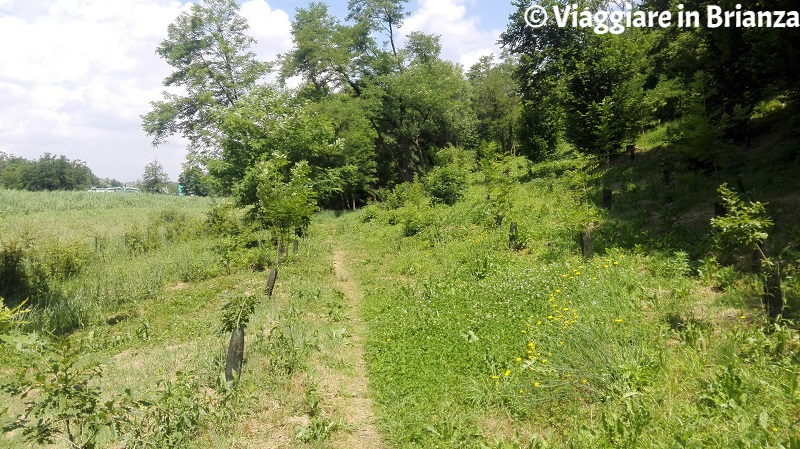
<point x="371" y="113"/>
<point x="599" y="91"/>
<point x="49" y="172"/>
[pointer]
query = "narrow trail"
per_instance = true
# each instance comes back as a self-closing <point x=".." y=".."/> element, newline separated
<point x="350" y="393"/>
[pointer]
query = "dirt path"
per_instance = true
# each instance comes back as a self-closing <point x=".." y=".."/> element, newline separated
<point x="350" y="396"/>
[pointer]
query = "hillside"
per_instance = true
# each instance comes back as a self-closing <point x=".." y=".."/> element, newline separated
<point x="411" y="323"/>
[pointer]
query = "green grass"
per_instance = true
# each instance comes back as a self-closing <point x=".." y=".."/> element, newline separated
<point x="626" y="350"/>
<point x="468" y="343"/>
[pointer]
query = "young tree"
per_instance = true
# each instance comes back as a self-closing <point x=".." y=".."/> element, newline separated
<point x="154" y="178"/>
<point x="209" y="51"/>
<point x="194" y="181"/>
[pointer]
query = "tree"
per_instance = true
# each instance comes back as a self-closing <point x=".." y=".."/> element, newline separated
<point x="194" y="181"/>
<point x="379" y="15"/>
<point x="154" y="178"/>
<point x="49" y="172"/>
<point x="495" y="101"/>
<point x="576" y="83"/>
<point x="284" y="198"/>
<point x="209" y="51"/>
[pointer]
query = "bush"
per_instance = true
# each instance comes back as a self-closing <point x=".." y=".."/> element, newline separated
<point x="223" y="219"/>
<point x="446" y="184"/>
<point x="414" y="219"/>
<point x="744" y="227"/>
<point x="21" y="277"/>
<point x="140" y="241"/>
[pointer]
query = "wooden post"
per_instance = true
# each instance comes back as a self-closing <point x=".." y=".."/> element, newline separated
<point x="273" y="276"/>
<point x="587" y="243"/>
<point x="512" y="236"/>
<point x="498" y="221"/>
<point x="607" y="196"/>
<point x="233" y="362"/>
<point x="296" y="247"/>
<point x="756" y="261"/>
<point x="773" y="295"/>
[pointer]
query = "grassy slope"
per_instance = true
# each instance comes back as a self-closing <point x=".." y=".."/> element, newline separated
<point x="471" y="344"/>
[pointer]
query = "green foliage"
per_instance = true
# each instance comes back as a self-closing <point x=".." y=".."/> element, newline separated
<point x="49" y="172"/>
<point x="223" y="219"/>
<point x="194" y="181"/>
<point x="236" y="310"/>
<point x="743" y="229"/>
<point x="446" y="184"/>
<point x="287" y="345"/>
<point x="154" y="178"/>
<point x="9" y="318"/>
<point x="171" y="416"/>
<point x="495" y="101"/>
<point x="209" y="52"/>
<point x="139" y="241"/>
<point x="58" y="382"/>
<point x="285" y="197"/>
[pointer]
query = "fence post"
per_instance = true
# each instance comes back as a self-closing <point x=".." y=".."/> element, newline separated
<point x="587" y="243"/>
<point x="281" y="252"/>
<point x="296" y="247"/>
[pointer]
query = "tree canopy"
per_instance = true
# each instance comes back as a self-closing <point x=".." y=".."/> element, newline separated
<point x="374" y="107"/>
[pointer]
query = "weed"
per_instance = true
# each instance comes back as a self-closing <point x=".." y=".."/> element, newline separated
<point x="318" y="429"/>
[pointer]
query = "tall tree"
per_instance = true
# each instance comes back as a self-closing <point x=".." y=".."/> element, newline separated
<point x="576" y="83"/>
<point x="495" y="101"/>
<point x="209" y="52"/>
<point x="154" y="178"/>
<point x="379" y="16"/>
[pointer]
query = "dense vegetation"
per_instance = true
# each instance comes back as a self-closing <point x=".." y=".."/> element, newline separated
<point x="49" y="172"/>
<point x="371" y="113"/>
<point x="513" y="280"/>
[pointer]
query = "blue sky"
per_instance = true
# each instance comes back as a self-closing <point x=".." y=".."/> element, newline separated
<point x="77" y="74"/>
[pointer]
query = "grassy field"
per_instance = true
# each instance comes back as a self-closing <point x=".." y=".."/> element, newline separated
<point x="405" y="324"/>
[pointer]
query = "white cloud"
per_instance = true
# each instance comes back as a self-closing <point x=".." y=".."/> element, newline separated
<point x="270" y="27"/>
<point x="461" y="38"/>
<point x="77" y="74"/>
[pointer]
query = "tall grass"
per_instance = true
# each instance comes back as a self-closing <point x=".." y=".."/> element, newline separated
<point x="73" y="256"/>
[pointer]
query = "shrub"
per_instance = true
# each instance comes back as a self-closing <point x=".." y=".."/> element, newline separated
<point x="446" y="184"/>
<point x="237" y="310"/>
<point x="223" y="219"/>
<point x="141" y="241"/>
<point x="58" y="382"/>
<point x="744" y="227"/>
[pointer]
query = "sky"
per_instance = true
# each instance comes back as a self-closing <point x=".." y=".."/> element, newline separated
<point x="76" y="75"/>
